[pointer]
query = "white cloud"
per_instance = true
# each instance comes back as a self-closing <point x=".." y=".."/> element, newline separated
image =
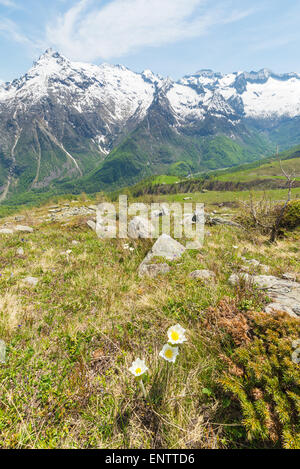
<point x="10" y="29"/>
<point x="8" y="3"/>
<point x="88" y="31"/>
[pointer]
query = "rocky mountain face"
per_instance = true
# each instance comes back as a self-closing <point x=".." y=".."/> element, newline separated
<point x="74" y="125"/>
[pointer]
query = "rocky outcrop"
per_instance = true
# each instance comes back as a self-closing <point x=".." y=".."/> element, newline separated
<point x="285" y="294"/>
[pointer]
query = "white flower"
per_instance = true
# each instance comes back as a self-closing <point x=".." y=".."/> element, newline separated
<point x="169" y="353"/>
<point x="138" y="367"/>
<point x="131" y="249"/>
<point x="126" y="246"/>
<point x="235" y="247"/>
<point x="176" y="335"/>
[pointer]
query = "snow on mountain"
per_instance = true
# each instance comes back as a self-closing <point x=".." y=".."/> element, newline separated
<point x="122" y="94"/>
<point x="62" y="119"/>
<point x="264" y="95"/>
<point x="116" y="89"/>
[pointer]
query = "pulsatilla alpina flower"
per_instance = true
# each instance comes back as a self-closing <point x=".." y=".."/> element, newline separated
<point x="138" y="367"/>
<point x="169" y="353"/>
<point x="176" y="335"/>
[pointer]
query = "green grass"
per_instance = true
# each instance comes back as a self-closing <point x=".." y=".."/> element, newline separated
<point x="264" y="171"/>
<point x="71" y="339"/>
<point x="217" y="197"/>
<point x="164" y="179"/>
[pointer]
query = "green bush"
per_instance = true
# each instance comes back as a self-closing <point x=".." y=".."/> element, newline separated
<point x="291" y="219"/>
<point x="266" y="383"/>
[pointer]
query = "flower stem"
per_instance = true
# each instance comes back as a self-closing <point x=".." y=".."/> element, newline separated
<point x="143" y="388"/>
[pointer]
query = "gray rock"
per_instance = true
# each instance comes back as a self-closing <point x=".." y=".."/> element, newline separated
<point x="203" y="274"/>
<point x="285" y="294"/>
<point x="20" y="252"/>
<point x="24" y="229"/>
<point x="19" y="218"/>
<point x="140" y="227"/>
<point x="220" y="221"/>
<point x="91" y="224"/>
<point x="153" y="270"/>
<point x="166" y="247"/>
<point x="31" y="281"/>
<point x="75" y="243"/>
<point x="6" y="231"/>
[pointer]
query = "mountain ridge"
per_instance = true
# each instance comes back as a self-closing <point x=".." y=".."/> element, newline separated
<point x="64" y="120"/>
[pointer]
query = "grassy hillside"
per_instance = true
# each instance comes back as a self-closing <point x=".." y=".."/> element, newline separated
<point x="72" y="338"/>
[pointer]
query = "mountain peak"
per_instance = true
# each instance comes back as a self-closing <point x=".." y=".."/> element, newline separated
<point x="50" y="54"/>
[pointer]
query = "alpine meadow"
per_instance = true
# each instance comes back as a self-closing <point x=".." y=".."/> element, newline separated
<point x="149" y="228"/>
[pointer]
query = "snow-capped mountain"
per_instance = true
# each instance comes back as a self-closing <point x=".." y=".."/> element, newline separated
<point x="64" y="119"/>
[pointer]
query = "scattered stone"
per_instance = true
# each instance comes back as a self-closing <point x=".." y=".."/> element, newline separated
<point x="31" y="281"/>
<point x="6" y="231"/>
<point x="75" y="243"/>
<point x="20" y="252"/>
<point x="24" y="229"/>
<point x="55" y="210"/>
<point x="187" y="198"/>
<point x="203" y="274"/>
<point x="93" y="207"/>
<point x="140" y="227"/>
<point x="91" y="224"/>
<point x="220" y="221"/>
<point x="19" y="218"/>
<point x="153" y="270"/>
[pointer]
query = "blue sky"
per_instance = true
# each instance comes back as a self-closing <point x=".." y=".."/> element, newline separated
<point x="171" y="37"/>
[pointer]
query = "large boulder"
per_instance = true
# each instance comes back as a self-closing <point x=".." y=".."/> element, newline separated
<point x="166" y="248"/>
<point x="140" y="227"/>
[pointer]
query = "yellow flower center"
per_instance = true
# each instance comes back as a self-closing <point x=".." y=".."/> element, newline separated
<point x="169" y="353"/>
<point x="138" y="371"/>
<point x="175" y="336"/>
